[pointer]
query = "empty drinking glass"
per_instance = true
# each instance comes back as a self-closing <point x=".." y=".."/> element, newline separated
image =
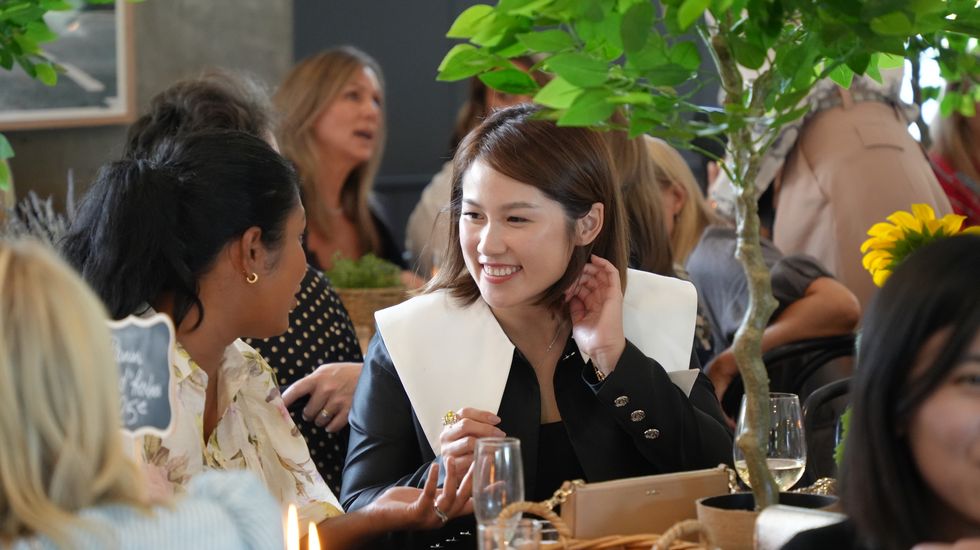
<point x="498" y="481"/>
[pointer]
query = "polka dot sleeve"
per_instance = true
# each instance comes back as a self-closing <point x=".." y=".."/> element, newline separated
<point x="320" y="331"/>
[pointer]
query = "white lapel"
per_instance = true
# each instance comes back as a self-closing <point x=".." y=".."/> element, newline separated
<point x="659" y="317"/>
<point x="449" y="357"/>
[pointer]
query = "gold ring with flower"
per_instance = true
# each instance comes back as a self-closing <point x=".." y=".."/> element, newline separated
<point x="450" y="418"/>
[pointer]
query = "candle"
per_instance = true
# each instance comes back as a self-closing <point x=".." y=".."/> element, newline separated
<point x="313" y="542"/>
<point x="292" y="529"/>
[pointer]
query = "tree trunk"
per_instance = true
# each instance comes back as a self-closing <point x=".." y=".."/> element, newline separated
<point x="747" y="348"/>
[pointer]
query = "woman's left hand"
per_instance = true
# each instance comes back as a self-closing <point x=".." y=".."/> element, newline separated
<point x="411" y="508"/>
<point x="595" y="303"/>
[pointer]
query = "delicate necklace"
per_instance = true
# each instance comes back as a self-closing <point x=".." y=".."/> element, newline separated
<point x="557" y="332"/>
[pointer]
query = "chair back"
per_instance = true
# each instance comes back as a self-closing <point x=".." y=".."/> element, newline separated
<point x="800" y="367"/>
<point x="822" y="411"/>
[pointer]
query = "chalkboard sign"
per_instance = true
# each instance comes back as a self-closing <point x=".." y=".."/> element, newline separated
<point x="144" y="348"/>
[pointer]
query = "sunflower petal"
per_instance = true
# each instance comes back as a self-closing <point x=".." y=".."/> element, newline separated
<point x="874" y="257"/>
<point x="904" y="220"/>
<point x="923" y="212"/>
<point x="951" y="223"/>
<point x="881" y="276"/>
<point x="885" y="230"/>
<point x="975" y="230"/>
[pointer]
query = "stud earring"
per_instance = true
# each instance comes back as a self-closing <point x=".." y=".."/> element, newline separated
<point x="252" y="279"/>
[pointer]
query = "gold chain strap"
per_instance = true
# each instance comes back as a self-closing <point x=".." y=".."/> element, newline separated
<point x="562" y="493"/>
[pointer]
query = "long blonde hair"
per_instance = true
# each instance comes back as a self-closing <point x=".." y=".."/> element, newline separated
<point x="695" y="215"/>
<point x="648" y="239"/>
<point x="308" y="90"/>
<point x="955" y="142"/>
<point x="60" y="442"/>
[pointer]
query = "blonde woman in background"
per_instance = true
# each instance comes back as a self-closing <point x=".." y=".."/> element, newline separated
<point x="812" y="304"/>
<point x="686" y="212"/>
<point x="955" y="157"/>
<point x="65" y="481"/>
<point x="332" y="128"/>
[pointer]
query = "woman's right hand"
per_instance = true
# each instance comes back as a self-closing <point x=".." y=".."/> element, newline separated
<point x="458" y="440"/>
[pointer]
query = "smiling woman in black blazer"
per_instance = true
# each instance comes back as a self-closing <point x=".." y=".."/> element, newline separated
<point x="526" y="332"/>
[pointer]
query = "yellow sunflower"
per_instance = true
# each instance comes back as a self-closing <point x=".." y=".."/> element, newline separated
<point x="891" y="243"/>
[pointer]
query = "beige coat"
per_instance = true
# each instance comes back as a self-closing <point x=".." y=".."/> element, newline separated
<point x="852" y="166"/>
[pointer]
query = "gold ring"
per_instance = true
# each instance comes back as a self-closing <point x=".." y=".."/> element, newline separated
<point x="450" y="418"/>
<point x="325" y="414"/>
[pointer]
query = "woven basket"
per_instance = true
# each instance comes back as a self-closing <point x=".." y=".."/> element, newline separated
<point x="361" y="303"/>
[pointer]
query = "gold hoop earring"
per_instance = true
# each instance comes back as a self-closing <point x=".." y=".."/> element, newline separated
<point x="252" y="279"/>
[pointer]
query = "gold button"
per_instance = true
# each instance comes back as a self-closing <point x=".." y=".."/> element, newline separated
<point x="637" y="415"/>
<point x="652" y="433"/>
<point x="621" y="401"/>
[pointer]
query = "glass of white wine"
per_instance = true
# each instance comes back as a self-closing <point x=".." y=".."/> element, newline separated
<point x="786" y="451"/>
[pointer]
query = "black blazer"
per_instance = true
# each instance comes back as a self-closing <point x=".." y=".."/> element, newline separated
<point x="635" y="422"/>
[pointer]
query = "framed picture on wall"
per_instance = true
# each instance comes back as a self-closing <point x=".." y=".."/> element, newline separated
<point x="95" y="50"/>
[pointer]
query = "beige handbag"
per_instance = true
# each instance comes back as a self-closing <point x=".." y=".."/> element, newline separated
<point x="648" y="504"/>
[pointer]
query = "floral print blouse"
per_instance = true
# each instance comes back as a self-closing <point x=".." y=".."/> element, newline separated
<point x="254" y="432"/>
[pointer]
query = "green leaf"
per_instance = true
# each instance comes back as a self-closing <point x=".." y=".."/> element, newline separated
<point x="55" y="5"/>
<point x="671" y="74"/>
<point x="579" y="69"/>
<point x="511" y="80"/>
<point x="892" y="24"/>
<point x="6" y="151"/>
<point x="558" y="94"/>
<point x="924" y="7"/>
<point x="842" y="75"/>
<point x="39" y="32"/>
<point x="790" y="116"/>
<point x="747" y="54"/>
<point x="4" y="176"/>
<point x="632" y="98"/>
<point x="46" y="74"/>
<point x="470" y="21"/>
<point x="690" y="11"/>
<point x="510" y="51"/>
<point x="949" y="103"/>
<point x="27" y="44"/>
<point x="686" y="55"/>
<point x="464" y="61"/>
<point x="554" y="40"/>
<point x="522" y="7"/>
<point x="636" y="26"/>
<point x="719" y="7"/>
<point x="653" y="54"/>
<point x="889" y="61"/>
<point x="589" y="109"/>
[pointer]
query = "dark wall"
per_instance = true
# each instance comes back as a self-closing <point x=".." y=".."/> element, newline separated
<point x="408" y="40"/>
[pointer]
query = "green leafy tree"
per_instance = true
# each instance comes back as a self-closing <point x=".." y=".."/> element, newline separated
<point x="22" y="33"/>
<point x="624" y="60"/>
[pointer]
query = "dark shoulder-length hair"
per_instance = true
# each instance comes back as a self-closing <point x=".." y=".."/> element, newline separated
<point x="571" y="166"/>
<point x="154" y="225"/>
<point x="935" y="289"/>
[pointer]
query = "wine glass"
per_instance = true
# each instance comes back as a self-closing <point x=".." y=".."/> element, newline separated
<point x="498" y="480"/>
<point x="786" y="450"/>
